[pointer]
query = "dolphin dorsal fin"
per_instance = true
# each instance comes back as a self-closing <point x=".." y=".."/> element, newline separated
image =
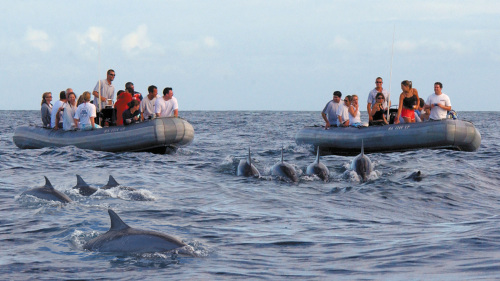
<point x="116" y="221"/>
<point x="47" y="183"/>
<point x="112" y="182"/>
<point x="317" y="155"/>
<point x="249" y="160"/>
<point x="282" y="154"/>
<point x="80" y="181"/>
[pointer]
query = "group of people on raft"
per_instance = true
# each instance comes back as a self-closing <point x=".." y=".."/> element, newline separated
<point x="411" y="107"/>
<point x="70" y="113"/>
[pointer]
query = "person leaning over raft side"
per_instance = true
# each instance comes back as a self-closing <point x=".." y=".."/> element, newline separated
<point x="378" y="110"/>
<point x="85" y="114"/>
<point x="66" y="113"/>
<point x="343" y="112"/>
<point x="372" y="97"/>
<point x="107" y="90"/>
<point x="354" y="114"/>
<point x="329" y="113"/>
<point x="132" y="114"/>
<point x="57" y="105"/>
<point x="46" y="109"/>
<point x="147" y="107"/>
<point x="408" y="101"/>
<point x="167" y="106"/>
<point x="438" y="103"/>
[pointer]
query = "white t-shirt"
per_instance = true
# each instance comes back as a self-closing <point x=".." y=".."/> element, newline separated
<point x="84" y="112"/>
<point x="148" y="107"/>
<point x="53" y="113"/>
<point x="343" y="111"/>
<point x="331" y="112"/>
<point x="372" y="97"/>
<point x="166" y="108"/>
<point x="437" y="113"/>
<point x="107" y="91"/>
<point x="354" y="119"/>
<point x="67" y="116"/>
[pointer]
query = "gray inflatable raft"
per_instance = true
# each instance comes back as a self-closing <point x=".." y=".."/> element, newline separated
<point x="446" y="134"/>
<point x="157" y="135"/>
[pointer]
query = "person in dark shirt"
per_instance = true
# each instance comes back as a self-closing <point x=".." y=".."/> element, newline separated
<point x="377" y="111"/>
<point x="132" y="114"/>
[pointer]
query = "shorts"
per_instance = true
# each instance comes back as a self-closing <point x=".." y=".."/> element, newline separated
<point x="408" y="113"/>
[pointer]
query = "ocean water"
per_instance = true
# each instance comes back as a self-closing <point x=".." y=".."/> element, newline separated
<point x="444" y="227"/>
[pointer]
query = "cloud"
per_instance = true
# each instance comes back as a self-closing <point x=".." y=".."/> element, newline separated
<point x="137" y="40"/>
<point x="194" y="47"/>
<point x="38" y="39"/>
<point x="341" y="43"/>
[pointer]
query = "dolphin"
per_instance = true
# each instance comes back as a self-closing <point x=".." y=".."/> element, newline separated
<point x="123" y="238"/>
<point x="48" y="192"/>
<point x="416" y="176"/>
<point x="284" y="170"/>
<point x="83" y="188"/>
<point x="113" y="183"/>
<point x="362" y="165"/>
<point x="318" y="168"/>
<point x="246" y="168"/>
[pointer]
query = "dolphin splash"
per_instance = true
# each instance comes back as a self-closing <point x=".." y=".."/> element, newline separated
<point x="123" y="238"/>
<point x="246" y="168"/>
<point x="317" y="168"/>
<point x="362" y="165"/>
<point x="48" y="192"/>
<point x="83" y="188"/>
<point x="284" y="170"/>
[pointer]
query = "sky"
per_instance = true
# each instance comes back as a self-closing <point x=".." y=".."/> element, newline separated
<point x="251" y="55"/>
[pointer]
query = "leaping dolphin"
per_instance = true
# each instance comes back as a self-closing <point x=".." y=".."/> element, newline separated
<point x="113" y="183"/>
<point x="284" y="170"/>
<point x="362" y="165"/>
<point x="83" y="188"/>
<point x="48" y="192"/>
<point x="123" y="238"/>
<point x="246" y="168"/>
<point x="318" y="168"/>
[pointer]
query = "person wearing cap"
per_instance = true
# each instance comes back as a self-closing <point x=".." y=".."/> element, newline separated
<point x="372" y="97"/>
<point x="129" y="87"/>
<point x="329" y="113"/>
<point x="167" y="106"/>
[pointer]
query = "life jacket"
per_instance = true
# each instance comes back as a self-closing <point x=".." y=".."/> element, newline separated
<point x="121" y="105"/>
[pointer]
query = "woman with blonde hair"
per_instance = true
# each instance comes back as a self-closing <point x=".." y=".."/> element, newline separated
<point x="46" y="109"/>
<point x="85" y="114"/>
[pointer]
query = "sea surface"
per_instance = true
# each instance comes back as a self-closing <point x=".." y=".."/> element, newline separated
<point x="444" y="227"/>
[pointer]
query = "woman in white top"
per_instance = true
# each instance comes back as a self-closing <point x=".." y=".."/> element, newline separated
<point x="343" y="112"/>
<point x="85" y="114"/>
<point x="354" y="114"/>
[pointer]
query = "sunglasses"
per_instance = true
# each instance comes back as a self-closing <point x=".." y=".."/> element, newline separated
<point x="379" y="98"/>
<point x="111" y="74"/>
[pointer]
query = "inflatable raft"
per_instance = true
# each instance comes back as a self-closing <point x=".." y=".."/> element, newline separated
<point x="445" y="134"/>
<point x="157" y="135"/>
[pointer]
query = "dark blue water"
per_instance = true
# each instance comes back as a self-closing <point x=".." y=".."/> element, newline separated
<point x="445" y="227"/>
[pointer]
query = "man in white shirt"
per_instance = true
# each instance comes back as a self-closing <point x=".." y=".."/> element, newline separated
<point x="148" y="104"/>
<point x="438" y="103"/>
<point x="167" y="106"/>
<point x="329" y="113"/>
<point x="107" y="90"/>
<point x="55" y="108"/>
